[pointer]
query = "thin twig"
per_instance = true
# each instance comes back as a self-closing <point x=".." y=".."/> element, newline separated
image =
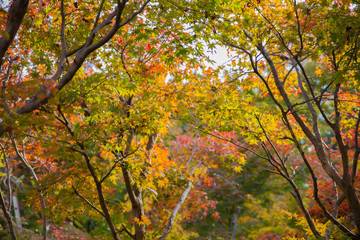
<point x="87" y="201"/>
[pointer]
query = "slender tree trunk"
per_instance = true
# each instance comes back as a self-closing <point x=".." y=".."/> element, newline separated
<point x="353" y="202"/>
<point x="98" y="182"/>
<point x="235" y="222"/>
<point x="8" y="217"/>
<point x="106" y="212"/>
<point x="140" y="231"/>
<point x="183" y="197"/>
<point x="173" y="214"/>
<point x="99" y="191"/>
<point x="24" y="160"/>
<point x="16" y="210"/>
<point x="134" y="191"/>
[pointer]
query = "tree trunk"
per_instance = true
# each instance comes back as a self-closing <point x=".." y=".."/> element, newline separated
<point x="16" y="210"/>
<point x="235" y="223"/>
<point x="8" y="217"/>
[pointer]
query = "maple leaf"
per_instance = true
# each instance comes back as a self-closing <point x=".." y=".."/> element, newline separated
<point x="163" y="182"/>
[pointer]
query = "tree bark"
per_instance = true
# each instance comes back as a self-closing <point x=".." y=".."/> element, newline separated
<point x="235" y="223"/>
<point x="15" y="17"/>
<point x="173" y="214"/>
<point x="8" y="217"/>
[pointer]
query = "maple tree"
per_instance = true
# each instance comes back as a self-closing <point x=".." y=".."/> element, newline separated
<point x="316" y="110"/>
<point x="64" y="126"/>
<point x="94" y="94"/>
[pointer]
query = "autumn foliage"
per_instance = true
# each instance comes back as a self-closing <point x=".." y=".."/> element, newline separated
<point x="116" y="124"/>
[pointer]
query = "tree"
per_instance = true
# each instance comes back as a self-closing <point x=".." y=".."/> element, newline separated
<point x="91" y="92"/>
<point x="56" y="21"/>
<point x="90" y="116"/>
<point x="315" y="111"/>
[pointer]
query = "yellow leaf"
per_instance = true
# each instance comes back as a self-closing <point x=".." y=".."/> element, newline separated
<point x="319" y="71"/>
<point x="238" y="169"/>
<point x="145" y="220"/>
<point x="162" y="182"/>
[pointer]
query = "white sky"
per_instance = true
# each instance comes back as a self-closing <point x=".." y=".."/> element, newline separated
<point x="219" y="55"/>
<point x="4" y="3"/>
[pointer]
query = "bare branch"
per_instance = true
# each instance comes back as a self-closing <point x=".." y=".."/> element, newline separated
<point x="174" y="212"/>
<point x="98" y="14"/>
<point x="88" y="202"/>
<point x="124" y="65"/>
<point x="24" y="160"/>
<point x="118" y="160"/>
<point x="61" y="62"/>
<point x="191" y="157"/>
<point x="125" y="230"/>
<point x="129" y="19"/>
<point x="234" y="143"/>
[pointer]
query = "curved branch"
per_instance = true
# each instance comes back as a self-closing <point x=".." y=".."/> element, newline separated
<point x="174" y="212"/>
<point x="46" y="92"/>
<point x="15" y="17"/>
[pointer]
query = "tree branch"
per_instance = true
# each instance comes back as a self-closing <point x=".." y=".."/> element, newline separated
<point x="88" y="202"/>
<point x="175" y="211"/>
<point x="14" y="19"/>
<point x="24" y="160"/>
<point x="357" y="150"/>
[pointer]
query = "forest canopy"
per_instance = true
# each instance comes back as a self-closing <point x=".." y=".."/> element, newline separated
<point x="117" y="123"/>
